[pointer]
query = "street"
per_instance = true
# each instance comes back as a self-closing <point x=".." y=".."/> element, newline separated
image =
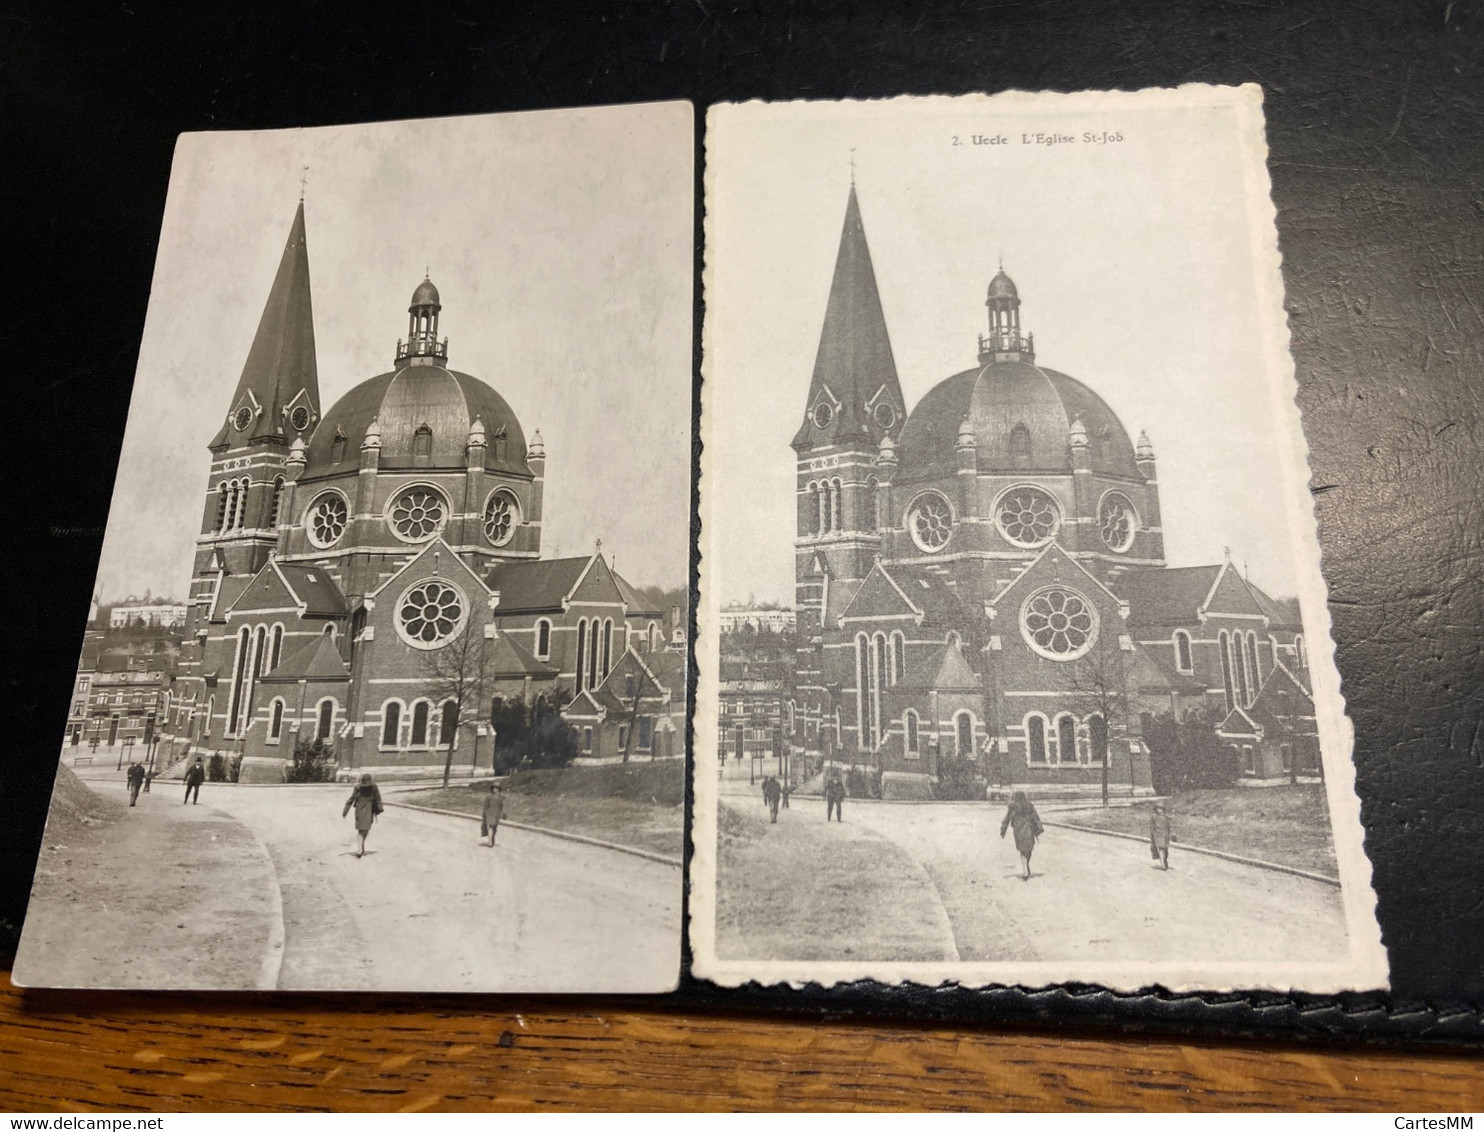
<point x="429" y="908"/>
<point x="1090" y="897"/>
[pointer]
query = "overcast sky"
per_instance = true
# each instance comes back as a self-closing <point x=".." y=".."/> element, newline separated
<point x="561" y="243"/>
<point x="1136" y="269"/>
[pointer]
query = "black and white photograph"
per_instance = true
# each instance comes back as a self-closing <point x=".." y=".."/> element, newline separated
<point x="384" y="685"/>
<point x="1014" y="660"/>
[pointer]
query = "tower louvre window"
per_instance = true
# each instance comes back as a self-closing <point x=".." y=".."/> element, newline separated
<point x="277" y="506"/>
<point x="422" y="442"/>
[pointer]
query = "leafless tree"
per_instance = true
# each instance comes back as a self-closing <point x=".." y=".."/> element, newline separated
<point x="457" y="673"/>
<point x="1098" y="678"/>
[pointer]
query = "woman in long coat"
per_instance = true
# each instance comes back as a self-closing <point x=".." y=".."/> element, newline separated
<point x="1026" y="822"/>
<point x="1159" y="835"/>
<point x="366" y="799"/>
<point x="494" y="810"/>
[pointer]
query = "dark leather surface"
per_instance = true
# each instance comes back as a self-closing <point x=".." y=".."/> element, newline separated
<point x="1376" y="124"/>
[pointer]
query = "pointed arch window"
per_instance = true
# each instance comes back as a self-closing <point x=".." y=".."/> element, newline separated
<point x="1066" y="739"/>
<point x="862" y="686"/>
<point x="1244" y="686"/>
<point x="276" y="511"/>
<point x="878" y="683"/>
<point x="326" y="719"/>
<point x="607" y="645"/>
<point x="898" y="658"/>
<point x="1183" y="659"/>
<point x="275" y="723"/>
<point x="1020" y="446"/>
<point x="811" y="511"/>
<point x="581" y="652"/>
<point x="239" y="677"/>
<point x="1250" y="652"/>
<point x="1224" y="646"/>
<point x="963" y="734"/>
<point x="391" y="722"/>
<point x="543" y="639"/>
<point x="911" y="736"/>
<point x="1097" y="736"/>
<point x="221" y="507"/>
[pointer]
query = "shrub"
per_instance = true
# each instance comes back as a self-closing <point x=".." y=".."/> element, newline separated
<point x="1187" y="754"/>
<point x="863" y="783"/>
<point x="314" y="761"/>
<point x="958" y="780"/>
<point x="532" y="735"/>
<point x="216" y="769"/>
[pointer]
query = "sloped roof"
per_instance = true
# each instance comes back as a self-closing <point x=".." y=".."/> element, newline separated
<point x="638" y="604"/>
<point x="931" y="592"/>
<point x="534" y="586"/>
<point x="314" y="588"/>
<point x="317" y="661"/>
<point x="233" y="586"/>
<point x="281" y="360"/>
<point x="508" y="657"/>
<point x="954" y="672"/>
<point x="854" y="360"/>
<point x="1149" y="673"/>
<point x="1167" y="595"/>
<point x="1282" y="612"/>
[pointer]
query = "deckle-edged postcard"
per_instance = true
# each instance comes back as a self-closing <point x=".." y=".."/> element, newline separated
<point x="385" y="681"/>
<point x="1014" y="662"/>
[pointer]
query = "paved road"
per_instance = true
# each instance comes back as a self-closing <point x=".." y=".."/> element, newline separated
<point x="1089" y="898"/>
<point x="430" y="908"/>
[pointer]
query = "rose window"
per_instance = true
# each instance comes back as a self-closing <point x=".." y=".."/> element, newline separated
<point x="1059" y="624"/>
<point x="500" y="517"/>
<point x="430" y="614"/>
<point x="931" y="521"/>
<point x="417" y="514"/>
<point x="1027" y="516"/>
<point x="1117" y="522"/>
<point x="327" y="520"/>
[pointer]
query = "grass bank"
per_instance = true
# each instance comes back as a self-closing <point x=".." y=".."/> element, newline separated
<point x="640" y="804"/>
<point x="1288" y="825"/>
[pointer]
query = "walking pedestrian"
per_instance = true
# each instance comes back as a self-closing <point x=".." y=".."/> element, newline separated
<point x="1159" y="835"/>
<point x="494" y="810"/>
<point x="193" y="779"/>
<point x="135" y="780"/>
<point x="1026" y="822"/>
<point x="772" y="794"/>
<point x="834" y="797"/>
<point x="366" y="799"/>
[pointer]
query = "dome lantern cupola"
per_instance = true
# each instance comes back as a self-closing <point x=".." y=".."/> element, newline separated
<point x="422" y="347"/>
<point x="1003" y="343"/>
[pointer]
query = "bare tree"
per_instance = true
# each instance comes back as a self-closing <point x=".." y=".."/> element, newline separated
<point x="457" y="673"/>
<point x="1099" y="679"/>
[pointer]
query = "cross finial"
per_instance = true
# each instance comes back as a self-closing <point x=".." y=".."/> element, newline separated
<point x="598" y="546"/>
<point x="1002" y="261"/>
<point x="1228" y="551"/>
<point x="852" y="167"/>
<point x="303" y="179"/>
<point x="426" y="269"/>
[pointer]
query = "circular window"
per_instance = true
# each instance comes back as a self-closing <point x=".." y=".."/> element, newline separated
<point x="930" y="519"/>
<point x="430" y="614"/>
<point x="242" y="418"/>
<point x="501" y="515"/>
<point x="417" y="514"/>
<point x="1059" y="624"/>
<point x="1027" y="516"/>
<point x="1117" y="522"/>
<point x="326" y="520"/>
<point x="885" y="414"/>
<point x="299" y="418"/>
<point x="823" y="415"/>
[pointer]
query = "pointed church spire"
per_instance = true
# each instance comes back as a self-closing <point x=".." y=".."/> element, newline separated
<point x="280" y="374"/>
<point x="854" y="392"/>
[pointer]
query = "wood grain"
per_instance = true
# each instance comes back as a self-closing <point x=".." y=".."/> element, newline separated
<point x="161" y="1052"/>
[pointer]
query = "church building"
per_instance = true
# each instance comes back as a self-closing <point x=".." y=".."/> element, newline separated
<point x="358" y="565"/>
<point x="983" y="577"/>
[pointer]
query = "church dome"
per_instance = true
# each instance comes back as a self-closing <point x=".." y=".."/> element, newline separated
<point x="426" y="294"/>
<point x="1002" y="287"/>
<point x="413" y="397"/>
<point x="1021" y="418"/>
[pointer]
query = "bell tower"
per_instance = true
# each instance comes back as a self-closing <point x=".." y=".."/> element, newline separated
<point x="275" y="404"/>
<point x="1004" y="343"/>
<point x="422" y="347"/>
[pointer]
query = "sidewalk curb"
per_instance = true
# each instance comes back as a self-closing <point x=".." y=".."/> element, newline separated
<point x="1253" y="861"/>
<point x="272" y="965"/>
<point x="674" y="862"/>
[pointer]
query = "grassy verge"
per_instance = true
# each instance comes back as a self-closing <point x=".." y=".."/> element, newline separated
<point x="1288" y="825"/>
<point x="638" y="805"/>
